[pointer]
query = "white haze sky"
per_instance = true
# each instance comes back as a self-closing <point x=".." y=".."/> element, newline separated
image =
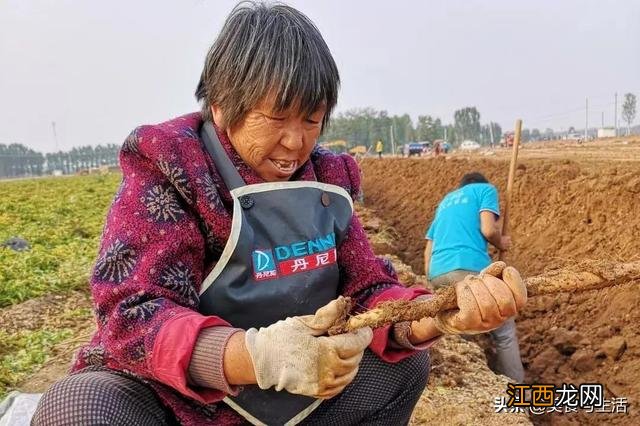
<point x="100" y="68"/>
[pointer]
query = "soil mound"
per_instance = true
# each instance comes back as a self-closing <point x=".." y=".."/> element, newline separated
<point x="587" y="336"/>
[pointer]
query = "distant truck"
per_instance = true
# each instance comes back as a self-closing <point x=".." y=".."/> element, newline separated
<point x="416" y="148"/>
<point x="507" y="140"/>
<point x="469" y="146"/>
<point x="607" y="132"/>
<point x="575" y="136"/>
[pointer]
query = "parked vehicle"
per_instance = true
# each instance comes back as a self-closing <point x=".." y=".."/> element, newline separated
<point x="469" y="146"/>
<point x="507" y="140"/>
<point x="413" y="148"/>
<point x="426" y="146"/>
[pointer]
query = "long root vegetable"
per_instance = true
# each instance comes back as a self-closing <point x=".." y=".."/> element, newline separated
<point x="600" y="275"/>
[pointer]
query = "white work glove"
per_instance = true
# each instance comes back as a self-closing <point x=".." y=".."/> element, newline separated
<point x="484" y="301"/>
<point x="296" y="355"/>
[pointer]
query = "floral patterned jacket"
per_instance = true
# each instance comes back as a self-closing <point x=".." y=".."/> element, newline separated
<point x="168" y="223"/>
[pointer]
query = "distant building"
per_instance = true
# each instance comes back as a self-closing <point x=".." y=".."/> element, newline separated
<point x="607" y="132"/>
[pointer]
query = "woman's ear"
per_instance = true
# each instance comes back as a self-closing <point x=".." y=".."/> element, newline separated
<point x="216" y="113"/>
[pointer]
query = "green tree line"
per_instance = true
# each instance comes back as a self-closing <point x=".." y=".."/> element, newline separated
<point x="17" y="160"/>
<point x="365" y="126"/>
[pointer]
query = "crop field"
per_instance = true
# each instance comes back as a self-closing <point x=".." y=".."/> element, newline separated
<point x="61" y="219"/>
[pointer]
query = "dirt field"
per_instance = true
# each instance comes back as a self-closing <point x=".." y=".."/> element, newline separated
<point x="563" y="208"/>
<point x="574" y="219"/>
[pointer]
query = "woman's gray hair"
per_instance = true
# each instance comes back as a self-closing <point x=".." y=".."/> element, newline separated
<point x="268" y="49"/>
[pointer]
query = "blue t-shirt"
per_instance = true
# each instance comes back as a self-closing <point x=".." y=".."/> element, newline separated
<point x="458" y="242"/>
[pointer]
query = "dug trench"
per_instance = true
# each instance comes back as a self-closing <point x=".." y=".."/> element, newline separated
<point x="568" y="219"/>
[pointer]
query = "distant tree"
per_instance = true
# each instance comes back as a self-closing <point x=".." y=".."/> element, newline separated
<point x="428" y="128"/>
<point x="467" y="123"/>
<point x="486" y="133"/>
<point x="629" y="110"/>
<point x="525" y="136"/>
<point x="365" y="126"/>
<point x="403" y="129"/>
<point x="17" y="160"/>
<point x="548" y="134"/>
<point x="449" y="133"/>
<point x="497" y="133"/>
<point x="535" y="135"/>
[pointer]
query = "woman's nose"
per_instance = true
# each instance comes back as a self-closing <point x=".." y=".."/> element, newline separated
<point x="293" y="138"/>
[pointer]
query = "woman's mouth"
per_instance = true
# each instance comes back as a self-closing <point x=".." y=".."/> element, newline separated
<point x="286" y="167"/>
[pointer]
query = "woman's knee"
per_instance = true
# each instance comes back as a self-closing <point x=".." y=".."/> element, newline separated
<point x="98" y="398"/>
<point x="418" y="368"/>
<point x="407" y="376"/>
<point x="65" y="401"/>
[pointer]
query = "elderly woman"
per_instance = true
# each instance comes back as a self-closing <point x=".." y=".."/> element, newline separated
<point x="226" y="253"/>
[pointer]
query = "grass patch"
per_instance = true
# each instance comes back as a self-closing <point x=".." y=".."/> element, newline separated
<point x="24" y="352"/>
<point x="62" y="219"/>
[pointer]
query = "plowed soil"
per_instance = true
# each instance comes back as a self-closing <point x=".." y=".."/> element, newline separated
<point x="561" y="210"/>
<point x="574" y="219"/>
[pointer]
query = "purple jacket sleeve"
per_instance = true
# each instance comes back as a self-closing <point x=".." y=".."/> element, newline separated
<point x="146" y="279"/>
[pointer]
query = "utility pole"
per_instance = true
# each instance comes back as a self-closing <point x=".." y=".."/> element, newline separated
<point x="615" y="114"/>
<point x="491" y="132"/>
<point x="586" y="122"/>
<point x="55" y="135"/>
<point x="445" y="133"/>
<point x="393" y="142"/>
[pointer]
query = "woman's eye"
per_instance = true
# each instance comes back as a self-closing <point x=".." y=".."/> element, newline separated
<point x="310" y="121"/>
<point x="275" y="118"/>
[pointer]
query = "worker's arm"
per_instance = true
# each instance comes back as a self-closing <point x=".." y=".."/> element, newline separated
<point x="427" y="256"/>
<point x="489" y="226"/>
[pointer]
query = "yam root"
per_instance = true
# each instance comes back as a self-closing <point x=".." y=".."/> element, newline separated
<point x="553" y="282"/>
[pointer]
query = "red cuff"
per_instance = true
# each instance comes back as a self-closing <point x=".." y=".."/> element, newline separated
<point x="383" y="343"/>
<point x="172" y="349"/>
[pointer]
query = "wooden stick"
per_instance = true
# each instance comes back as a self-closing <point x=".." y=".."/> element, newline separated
<point x="512" y="176"/>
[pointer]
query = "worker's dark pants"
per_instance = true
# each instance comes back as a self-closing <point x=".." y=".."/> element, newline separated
<point x="505" y="339"/>
<point x="381" y="394"/>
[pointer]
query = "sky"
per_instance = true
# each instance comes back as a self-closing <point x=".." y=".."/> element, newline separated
<point x="98" y="69"/>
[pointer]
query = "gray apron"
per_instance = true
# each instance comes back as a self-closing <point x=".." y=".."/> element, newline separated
<point x="279" y="261"/>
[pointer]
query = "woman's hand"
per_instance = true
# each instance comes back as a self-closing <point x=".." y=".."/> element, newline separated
<point x="484" y="301"/>
<point x="294" y="355"/>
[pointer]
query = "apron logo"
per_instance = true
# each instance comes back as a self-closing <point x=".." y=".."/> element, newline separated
<point x="297" y="257"/>
<point x="263" y="265"/>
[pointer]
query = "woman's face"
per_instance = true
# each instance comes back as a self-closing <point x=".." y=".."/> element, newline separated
<point x="274" y="144"/>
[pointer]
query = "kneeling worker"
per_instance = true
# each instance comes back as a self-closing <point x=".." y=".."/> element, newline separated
<point x="465" y="220"/>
